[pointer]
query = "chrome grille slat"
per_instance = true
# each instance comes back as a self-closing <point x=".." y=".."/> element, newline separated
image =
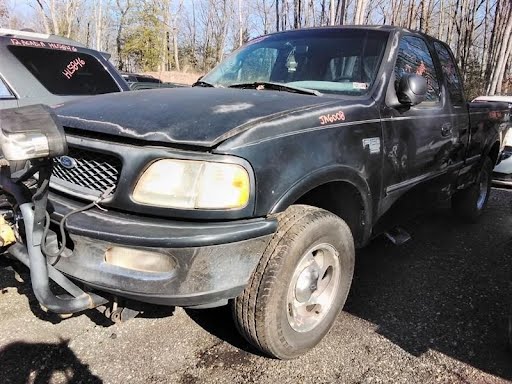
<point x="94" y="171"/>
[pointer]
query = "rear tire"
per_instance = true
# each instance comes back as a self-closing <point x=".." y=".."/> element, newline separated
<point x="300" y="284"/>
<point x="469" y="203"/>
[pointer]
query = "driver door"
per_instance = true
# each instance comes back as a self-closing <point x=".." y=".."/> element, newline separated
<point x="418" y="141"/>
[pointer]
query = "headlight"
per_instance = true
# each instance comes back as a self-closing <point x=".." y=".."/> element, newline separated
<point x="189" y="184"/>
<point x="24" y="146"/>
<point x="31" y="132"/>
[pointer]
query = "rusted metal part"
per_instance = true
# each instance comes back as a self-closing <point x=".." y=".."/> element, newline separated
<point x="7" y="236"/>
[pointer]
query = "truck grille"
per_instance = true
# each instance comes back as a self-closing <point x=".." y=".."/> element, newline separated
<point x="88" y="171"/>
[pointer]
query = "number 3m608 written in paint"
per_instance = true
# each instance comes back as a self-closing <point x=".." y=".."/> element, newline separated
<point x="72" y="67"/>
<point x="332" y="118"/>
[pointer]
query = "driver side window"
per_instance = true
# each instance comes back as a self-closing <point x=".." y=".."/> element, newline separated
<point x="414" y="57"/>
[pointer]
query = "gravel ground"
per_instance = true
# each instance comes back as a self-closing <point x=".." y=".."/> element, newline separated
<point x="432" y="310"/>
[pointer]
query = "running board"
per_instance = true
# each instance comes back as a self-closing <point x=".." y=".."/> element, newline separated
<point x="398" y="236"/>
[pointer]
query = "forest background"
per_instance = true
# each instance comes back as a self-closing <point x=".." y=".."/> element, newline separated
<point x="192" y="36"/>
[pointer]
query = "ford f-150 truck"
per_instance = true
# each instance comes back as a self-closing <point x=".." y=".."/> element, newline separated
<point x="255" y="186"/>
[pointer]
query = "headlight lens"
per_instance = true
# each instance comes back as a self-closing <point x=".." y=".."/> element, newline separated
<point x="24" y="146"/>
<point x="31" y="132"/>
<point x="189" y="184"/>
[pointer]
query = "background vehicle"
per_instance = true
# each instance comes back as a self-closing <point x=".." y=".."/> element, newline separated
<point x="138" y="82"/>
<point x="38" y="68"/>
<point x="138" y="78"/>
<point x="502" y="173"/>
<point x="256" y="185"/>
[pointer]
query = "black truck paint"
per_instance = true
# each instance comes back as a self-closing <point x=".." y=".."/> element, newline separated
<point x="357" y="156"/>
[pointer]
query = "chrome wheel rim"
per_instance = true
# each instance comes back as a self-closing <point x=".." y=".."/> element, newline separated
<point x="482" y="189"/>
<point x="313" y="287"/>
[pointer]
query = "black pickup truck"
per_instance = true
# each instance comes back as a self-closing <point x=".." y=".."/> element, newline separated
<point x="255" y="186"/>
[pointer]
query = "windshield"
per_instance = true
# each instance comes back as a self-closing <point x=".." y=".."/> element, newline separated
<point x="327" y="60"/>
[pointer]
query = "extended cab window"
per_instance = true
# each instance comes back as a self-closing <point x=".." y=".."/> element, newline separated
<point x="450" y="74"/>
<point x="66" y="73"/>
<point x="5" y="92"/>
<point x="414" y="57"/>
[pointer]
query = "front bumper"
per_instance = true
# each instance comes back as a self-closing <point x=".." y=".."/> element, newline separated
<point x="502" y="173"/>
<point x="210" y="262"/>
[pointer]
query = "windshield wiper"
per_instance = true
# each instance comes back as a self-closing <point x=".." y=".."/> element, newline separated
<point x="201" y="83"/>
<point x="276" y="87"/>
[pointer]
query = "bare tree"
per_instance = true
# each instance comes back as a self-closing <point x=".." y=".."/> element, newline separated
<point x="277" y="15"/>
<point x="123" y="8"/>
<point x="43" y="16"/>
<point x="54" y="17"/>
<point x="503" y="46"/>
<point x="175" y="47"/>
<point x="98" y="17"/>
<point x="359" y="14"/>
<point x="332" y="18"/>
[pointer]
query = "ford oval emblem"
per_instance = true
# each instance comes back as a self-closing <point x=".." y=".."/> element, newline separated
<point x="67" y="162"/>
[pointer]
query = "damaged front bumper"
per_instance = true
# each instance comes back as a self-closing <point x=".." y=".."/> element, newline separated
<point x="161" y="261"/>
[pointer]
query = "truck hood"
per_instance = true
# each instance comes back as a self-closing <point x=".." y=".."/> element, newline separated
<point x="192" y="116"/>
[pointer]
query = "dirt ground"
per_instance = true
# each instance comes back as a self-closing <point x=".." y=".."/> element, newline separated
<point x="432" y="310"/>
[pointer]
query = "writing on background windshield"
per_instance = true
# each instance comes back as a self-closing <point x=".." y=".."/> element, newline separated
<point x="64" y="72"/>
<point x="336" y="62"/>
<point x="72" y="67"/>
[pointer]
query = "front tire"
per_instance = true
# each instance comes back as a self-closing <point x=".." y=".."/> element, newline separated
<point x="300" y="284"/>
<point x="469" y="203"/>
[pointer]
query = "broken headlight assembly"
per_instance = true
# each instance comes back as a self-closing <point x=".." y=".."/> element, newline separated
<point x="191" y="184"/>
<point x="31" y="132"/>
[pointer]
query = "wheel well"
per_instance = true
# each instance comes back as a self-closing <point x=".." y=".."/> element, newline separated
<point x="494" y="153"/>
<point x="344" y="200"/>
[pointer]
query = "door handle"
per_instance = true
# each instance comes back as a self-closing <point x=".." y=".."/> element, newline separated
<point x="446" y="129"/>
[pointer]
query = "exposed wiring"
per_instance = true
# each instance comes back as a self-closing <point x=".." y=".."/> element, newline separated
<point x="62" y="225"/>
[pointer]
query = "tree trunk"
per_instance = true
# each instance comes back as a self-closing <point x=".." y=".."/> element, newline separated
<point x="501" y="58"/>
<point x="342" y="11"/>
<point x="99" y="24"/>
<point x="284" y="15"/>
<point x="88" y="34"/>
<point x="483" y="64"/>
<point x="240" y="25"/>
<point x="119" y="38"/>
<point x="165" y="35"/>
<point x="333" y="14"/>
<point x="423" y="15"/>
<point x="410" y="14"/>
<point x="441" y="21"/>
<point x="53" y="15"/>
<point x="43" y="16"/>
<point x="322" y="14"/>
<point x="503" y="66"/>
<point x="175" y="49"/>
<point x="277" y="15"/>
<point x="360" y="11"/>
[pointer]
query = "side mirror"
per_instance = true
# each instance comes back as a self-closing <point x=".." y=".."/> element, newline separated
<point x="412" y="89"/>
